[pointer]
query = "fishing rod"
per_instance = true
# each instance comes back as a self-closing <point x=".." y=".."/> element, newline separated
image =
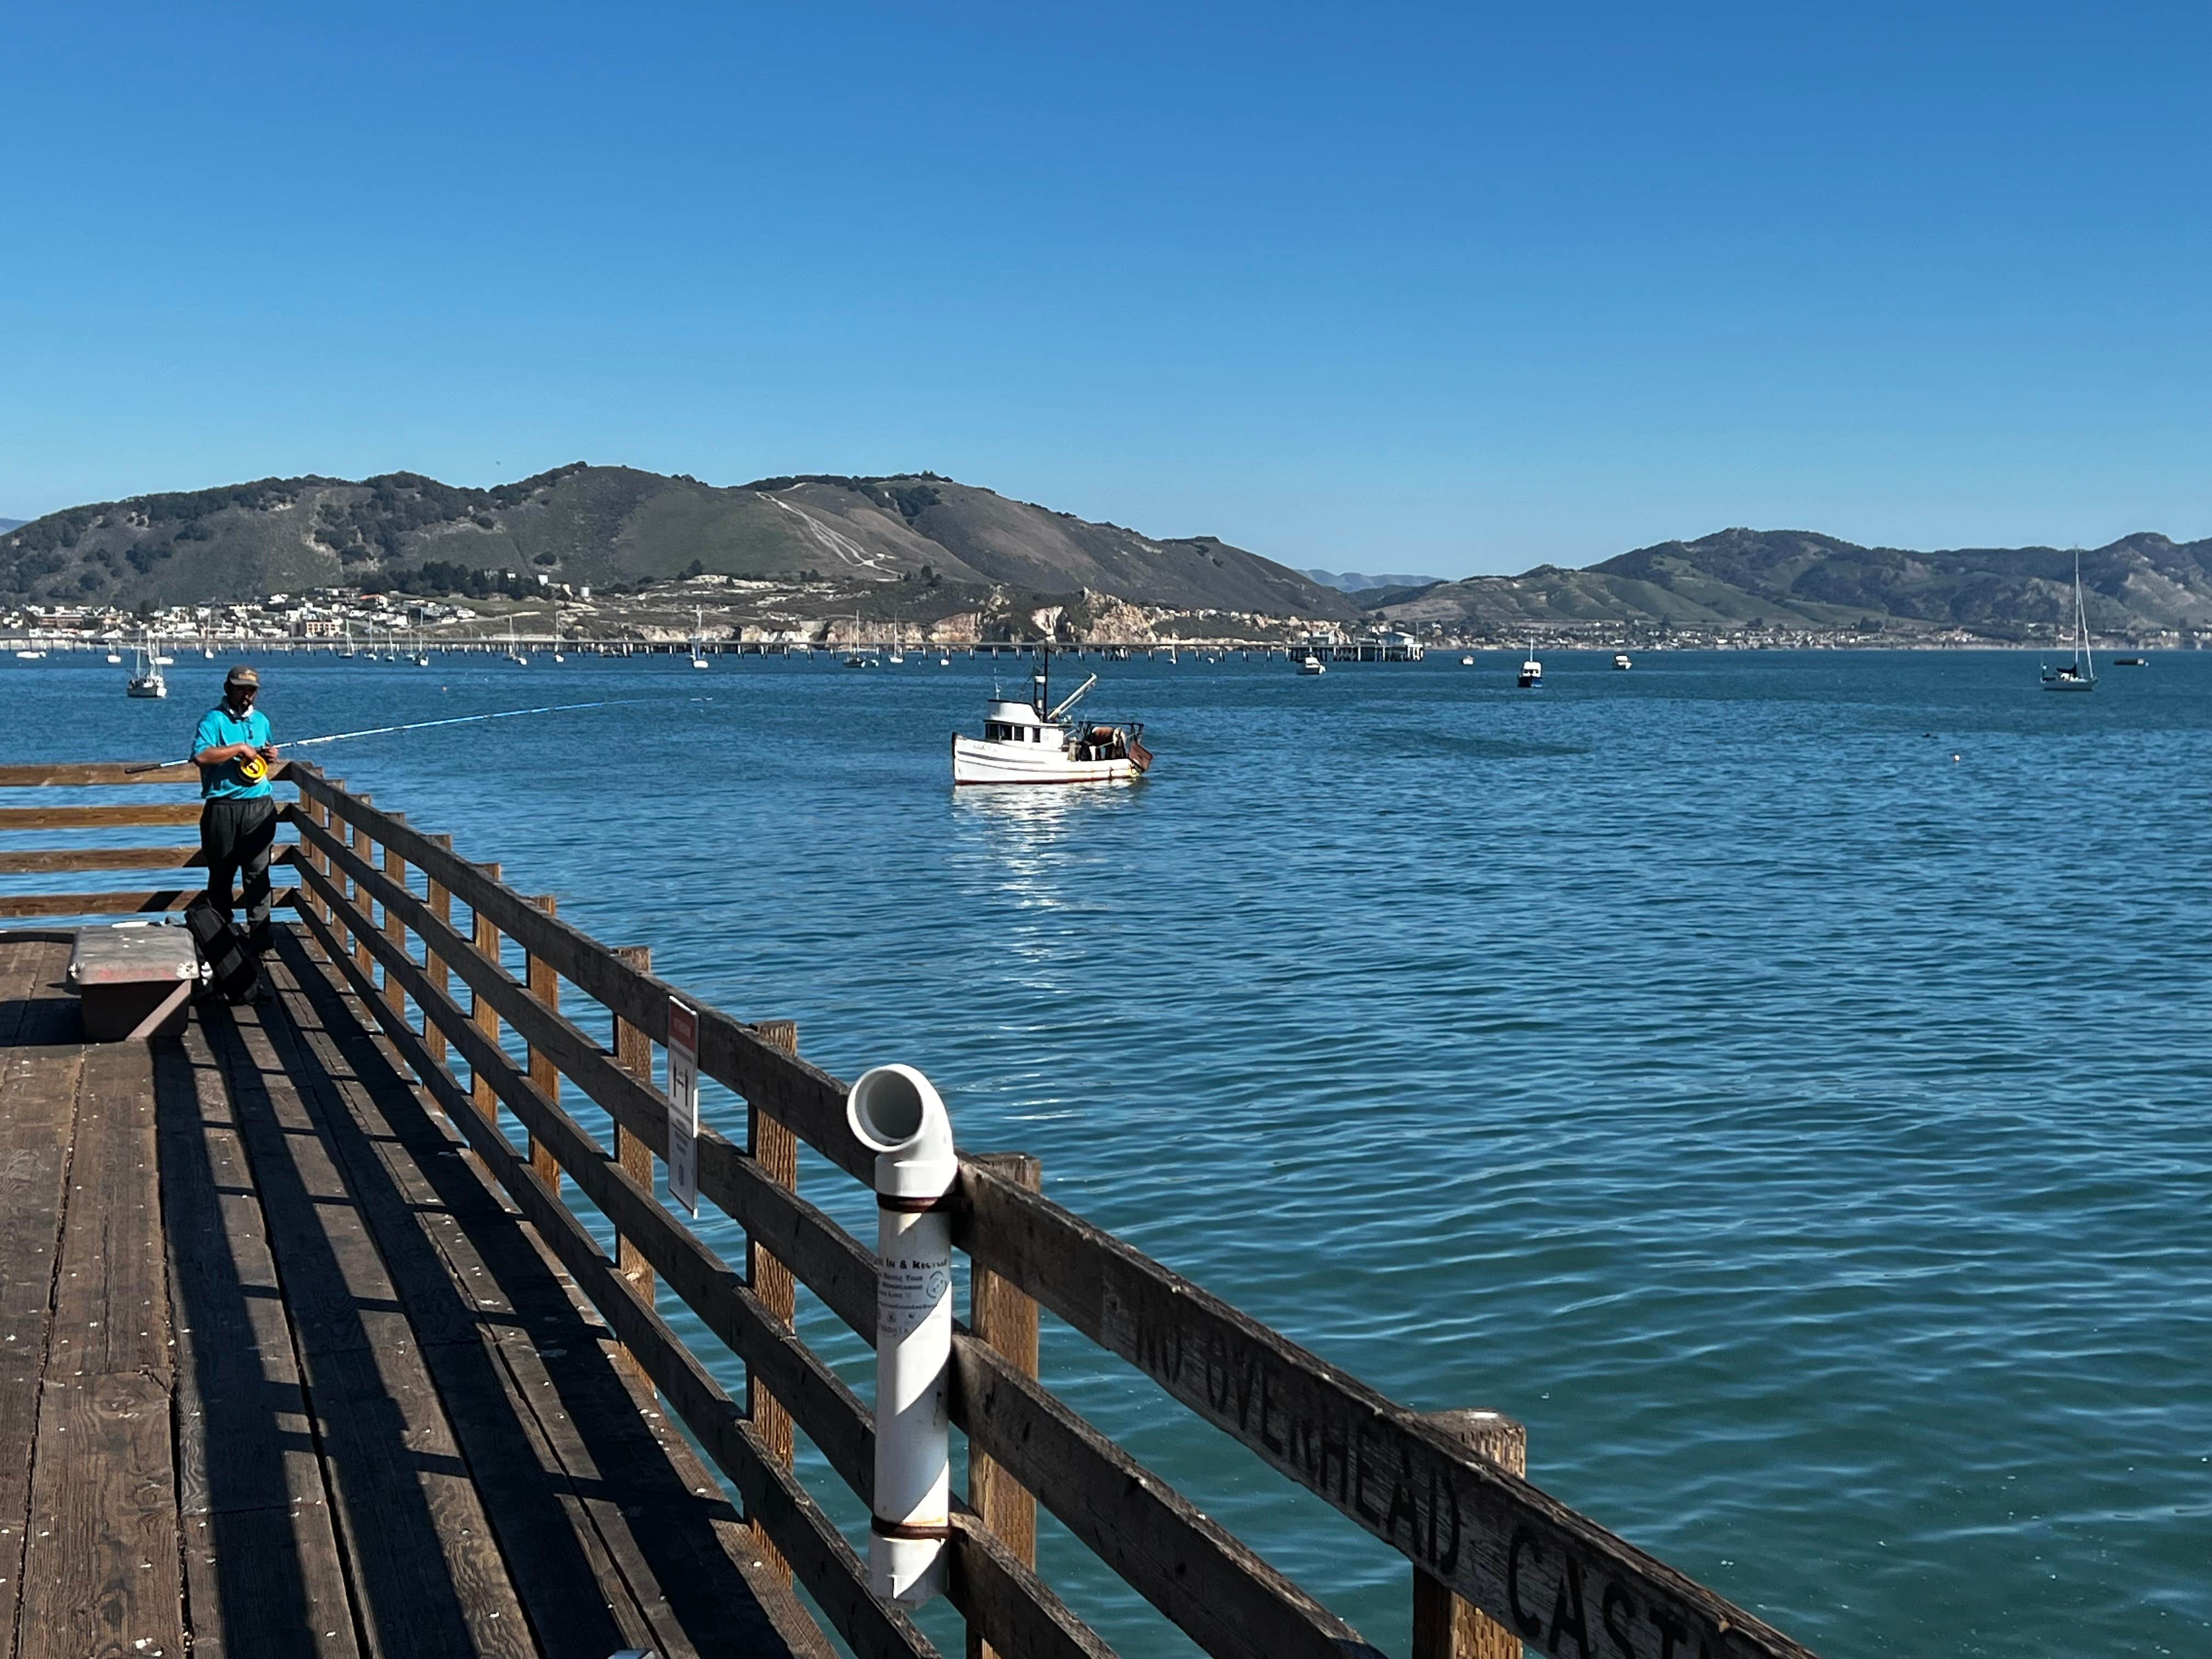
<point x="256" y="768"/>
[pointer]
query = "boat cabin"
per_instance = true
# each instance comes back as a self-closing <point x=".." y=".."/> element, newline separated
<point x="1006" y="720"/>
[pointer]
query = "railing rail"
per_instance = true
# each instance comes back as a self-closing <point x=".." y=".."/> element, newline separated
<point x="1477" y="1534"/>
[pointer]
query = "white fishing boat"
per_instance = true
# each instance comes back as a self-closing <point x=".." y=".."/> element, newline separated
<point x="1035" y="742"/>
<point x="1532" y="671"/>
<point x="146" y="680"/>
<point x="1620" y="660"/>
<point x="30" y="656"/>
<point x="1466" y="661"/>
<point x="1312" y="666"/>
<point x="2080" y="674"/>
<point x="115" y="656"/>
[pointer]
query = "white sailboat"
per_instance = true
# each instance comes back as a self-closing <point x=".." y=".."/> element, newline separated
<point x="698" y="658"/>
<point x="2080" y="675"/>
<point x="146" y="680"/>
<point x="1532" y="671"/>
<point x="1034" y="742"/>
<point x="514" y="648"/>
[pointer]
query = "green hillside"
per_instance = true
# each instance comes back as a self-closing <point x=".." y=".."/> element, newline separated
<point x="1740" y="579"/>
<point x="609" y="526"/>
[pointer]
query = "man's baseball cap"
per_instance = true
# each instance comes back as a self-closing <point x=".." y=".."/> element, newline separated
<point x="242" y="675"/>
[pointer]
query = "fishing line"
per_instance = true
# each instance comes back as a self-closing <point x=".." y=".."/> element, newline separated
<point x="256" y="768"/>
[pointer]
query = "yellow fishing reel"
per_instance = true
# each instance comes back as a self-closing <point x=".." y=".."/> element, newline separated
<point x="253" y="768"/>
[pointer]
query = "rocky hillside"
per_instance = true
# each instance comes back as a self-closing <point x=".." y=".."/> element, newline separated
<point x="1742" y="579"/>
<point x="613" y="527"/>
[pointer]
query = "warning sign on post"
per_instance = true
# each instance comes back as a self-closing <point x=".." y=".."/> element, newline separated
<point x="683" y="1105"/>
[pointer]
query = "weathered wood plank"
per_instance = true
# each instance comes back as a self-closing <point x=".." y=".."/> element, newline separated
<point x="427" y="1570"/>
<point x="674" y="1540"/>
<point x="1004" y="1319"/>
<point x="1444" y="1626"/>
<point x="820" y="1556"/>
<point x="562" y="1574"/>
<point x="262" y="1567"/>
<point x="1009" y="1609"/>
<point x="135" y="902"/>
<point x="101" y="858"/>
<point x="1512" y="1550"/>
<point x="1203" y="1577"/>
<point x="110" y="1291"/>
<point x="37" y="1109"/>
<point x="98" y="817"/>
<point x="545" y="988"/>
<point x="774" y="1152"/>
<point x="101" y="1572"/>
<point x="633" y="1053"/>
<point x="48" y="775"/>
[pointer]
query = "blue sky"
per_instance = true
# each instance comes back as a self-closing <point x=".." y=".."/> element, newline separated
<point x="1385" y="287"/>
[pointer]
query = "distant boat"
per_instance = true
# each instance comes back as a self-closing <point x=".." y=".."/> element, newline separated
<point x="32" y="656"/>
<point x="1620" y="660"/>
<point x="115" y="656"/>
<point x="2131" y="662"/>
<point x="346" y="649"/>
<point x="146" y="680"/>
<point x="1313" y="665"/>
<point x="1466" y="661"/>
<point x="1032" y="743"/>
<point x="2080" y="675"/>
<point x="1532" y="671"/>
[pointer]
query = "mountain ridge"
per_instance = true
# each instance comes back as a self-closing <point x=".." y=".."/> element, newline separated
<point x="1740" y="579"/>
<point x="612" y="527"/>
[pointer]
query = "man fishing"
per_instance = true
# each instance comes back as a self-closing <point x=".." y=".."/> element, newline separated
<point x="238" y="817"/>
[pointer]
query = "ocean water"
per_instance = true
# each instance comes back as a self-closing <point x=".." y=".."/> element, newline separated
<point x="1779" y="1080"/>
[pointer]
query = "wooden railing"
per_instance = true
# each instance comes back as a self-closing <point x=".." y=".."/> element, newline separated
<point x="1494" y="1560"/>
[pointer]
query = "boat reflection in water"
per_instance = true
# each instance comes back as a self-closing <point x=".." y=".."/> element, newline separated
<point x="1035" y="742"/>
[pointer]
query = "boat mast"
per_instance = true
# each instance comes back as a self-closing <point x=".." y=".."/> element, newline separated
<point x="2080" y="621"/>
<point x="1040" y="697"/>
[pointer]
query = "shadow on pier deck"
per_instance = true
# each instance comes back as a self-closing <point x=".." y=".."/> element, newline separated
<point x="280" y="1372"/>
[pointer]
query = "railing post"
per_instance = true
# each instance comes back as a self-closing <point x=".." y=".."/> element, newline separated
<point x="1445" y="1627"/>
<point x="633" y="1053"/>
<point x="545" y="985"/>
<point x="485" y="938"/>
<point x="434" y="965"/>
<point x="775" y="1149"/>
<point x="1000" y="1314"/>
<point x="365" y="850"/>
<point x="395" y="871"/>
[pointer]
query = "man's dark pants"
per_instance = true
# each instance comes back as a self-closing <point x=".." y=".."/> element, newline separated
<point x="240" y="835"/>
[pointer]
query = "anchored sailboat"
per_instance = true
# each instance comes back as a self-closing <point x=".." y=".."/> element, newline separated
<point x="2081" y="675"/>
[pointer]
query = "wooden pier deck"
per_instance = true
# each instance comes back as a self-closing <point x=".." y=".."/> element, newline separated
<point x="334" y="1326"/>
<point x="282" y="1373"/>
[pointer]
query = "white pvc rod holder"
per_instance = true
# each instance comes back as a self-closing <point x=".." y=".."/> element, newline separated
<point x="897" y="1114"/>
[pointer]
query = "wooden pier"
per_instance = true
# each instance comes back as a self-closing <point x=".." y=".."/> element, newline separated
<point x="334" y="1326"/>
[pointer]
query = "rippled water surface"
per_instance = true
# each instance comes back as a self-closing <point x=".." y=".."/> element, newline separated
<point x="1779" y="1080"/>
